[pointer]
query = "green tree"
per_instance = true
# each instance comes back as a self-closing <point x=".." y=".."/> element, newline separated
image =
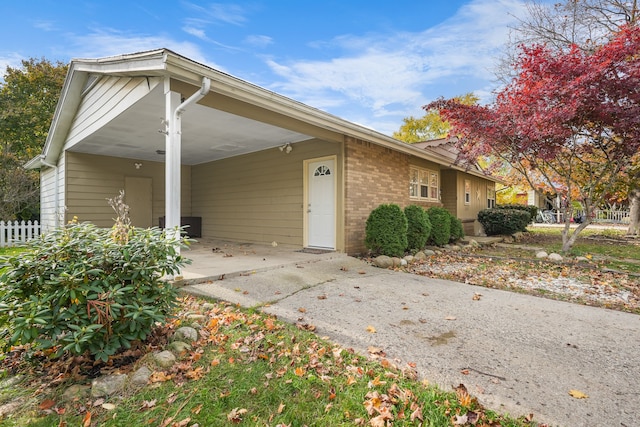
<point x="430" y="126"/>
<point x="28" y="98"/>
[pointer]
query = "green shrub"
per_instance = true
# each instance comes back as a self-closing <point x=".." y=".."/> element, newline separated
<point x="82" y="288"/>
<point x="457" y="230"/>
<point x="418" y="227"/>
<point x="503" y="221"/>
<point x="440" y="225"/>
<point x="533" y="210"/>
<point x="386" y="230"/>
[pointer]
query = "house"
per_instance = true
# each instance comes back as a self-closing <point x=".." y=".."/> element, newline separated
<point x="191" y="144"/>
<point x="464" y="191"/>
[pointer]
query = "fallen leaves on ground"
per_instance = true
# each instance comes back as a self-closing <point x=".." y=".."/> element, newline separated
<point x="232" y="338"/>
<point x="582" y="283"/>
<point x="577" y="394"/>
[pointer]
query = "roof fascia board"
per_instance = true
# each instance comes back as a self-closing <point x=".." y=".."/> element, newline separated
<point x="62" y="119"/>
<point x="191" y="72"/>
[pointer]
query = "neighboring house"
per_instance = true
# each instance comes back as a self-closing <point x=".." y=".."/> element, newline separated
<point x="189" y="143"/>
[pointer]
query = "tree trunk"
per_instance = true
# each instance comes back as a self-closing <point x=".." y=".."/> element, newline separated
<point x="569" y="237"/>
<point x="634" y="214"/>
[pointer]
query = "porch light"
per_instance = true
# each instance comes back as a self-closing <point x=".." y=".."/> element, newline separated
<point x="287" y="148"/>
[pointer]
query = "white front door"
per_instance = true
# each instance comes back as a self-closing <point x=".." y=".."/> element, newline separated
<point x="321" y="207"/>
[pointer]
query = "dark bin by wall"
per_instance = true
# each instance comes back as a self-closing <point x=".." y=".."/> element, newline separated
<point x="193" y="224"/>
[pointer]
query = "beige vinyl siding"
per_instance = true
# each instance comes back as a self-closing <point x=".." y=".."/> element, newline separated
<point x="49" y="212"/>
<point x="449" y="190"/>
<point x="91" y="180"/>
<point x="108" y="98"/>
<point x="453" y="198"/>
<point x="258" y="197"/>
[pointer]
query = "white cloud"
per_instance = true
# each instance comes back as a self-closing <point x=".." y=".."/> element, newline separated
<point x="216" y="13"/>
<point x="45" y="25"/>
<point x="110" y="42"/>
<point x="259" y="41"/>
<point x="196" y="32"/>
<point x="393" y="74"/>
<point x="12" y="60"/>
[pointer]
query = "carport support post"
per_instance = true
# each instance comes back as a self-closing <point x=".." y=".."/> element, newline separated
<point x="173" y="151"/>
<point x="172" y="162"/>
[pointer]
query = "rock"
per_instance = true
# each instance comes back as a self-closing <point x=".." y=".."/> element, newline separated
<point x="208" y="306"/>
<point x="179" y="347"/>
<point x="429" y="252"/>
<point x="196" y="317"/>
<point x="555" y="257"/>
<point x="582" y="259"/>
<point x="165" y="359"/>
<point x="541" y="254"/>
<point x="185" y="333"/>
<point x="11" y="407"/>
<point x="403" y="262"/>
<point x="383" y="261"/>
<point x="455" y="248"/>
<point x="141" y="376"/>
<point x="517" y="236"/>
<point x="108" y="385"/>
<point x="420" y="256"/>
<point x="409" y="259"/>
<point x="397" y="262"/>
<point x="474" y="244"/>
<point x="76" y="392"/>
<point x="11" y="381"/>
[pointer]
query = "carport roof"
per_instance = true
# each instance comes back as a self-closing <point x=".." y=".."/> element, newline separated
<point x="202" y="124"/>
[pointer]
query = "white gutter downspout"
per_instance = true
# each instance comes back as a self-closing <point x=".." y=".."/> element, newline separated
<point x="56" y="195"/>
<point x="174" y="150"/>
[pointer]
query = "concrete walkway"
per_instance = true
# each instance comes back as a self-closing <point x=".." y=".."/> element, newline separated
<point x="517" y="353"/>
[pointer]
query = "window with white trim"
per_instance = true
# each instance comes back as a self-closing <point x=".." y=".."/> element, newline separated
<point x="467" y="192"/>
<point x="491" y="196"/>
<point x="423" y="184"/>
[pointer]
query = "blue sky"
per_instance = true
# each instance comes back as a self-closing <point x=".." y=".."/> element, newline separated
<point x="370" y="62"/>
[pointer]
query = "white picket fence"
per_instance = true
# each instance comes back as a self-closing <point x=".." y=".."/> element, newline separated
<point x="17" y="232"/>
<point x="599" y="216"/>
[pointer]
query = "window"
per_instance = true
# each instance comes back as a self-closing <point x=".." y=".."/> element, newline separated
<point x="423" y="184"/>
<point x="491" y="196"/>
<point x="322" y="171"/>
<point x="467" y="192"/>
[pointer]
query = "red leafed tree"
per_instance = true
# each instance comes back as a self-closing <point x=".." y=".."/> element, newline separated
<point x="572" y="118"/>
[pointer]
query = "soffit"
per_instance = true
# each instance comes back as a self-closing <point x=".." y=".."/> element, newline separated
<point x="208" y="134"/>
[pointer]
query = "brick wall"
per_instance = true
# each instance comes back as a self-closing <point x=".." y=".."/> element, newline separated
<point x="373" y="175"/>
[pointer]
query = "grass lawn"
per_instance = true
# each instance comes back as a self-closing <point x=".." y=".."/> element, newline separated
<point x="608" y="247"/>
<point x="248" y="369"/>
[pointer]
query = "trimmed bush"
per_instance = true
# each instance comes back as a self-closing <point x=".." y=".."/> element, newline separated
<point x="81" y="288"/>
<point x="440" y="225"/>
<point x="418" y="227"/>
<point x="386" y="230"/>
<point x="457" y="230"/>
<point x="503" y="221"/>
<point x="533" y="210"/>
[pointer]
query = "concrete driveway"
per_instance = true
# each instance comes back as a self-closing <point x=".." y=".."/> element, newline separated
<point x="516" y="353"/>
